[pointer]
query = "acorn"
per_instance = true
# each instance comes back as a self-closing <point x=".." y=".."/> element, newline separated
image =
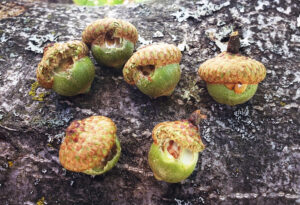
<point x="174" y="153"/>
<point x="66" y="68"/>
<point x="154" y="69"/>
<point x="230" y="77"/>
<point x="112" y="41"/>
<point x="91" y="146"/>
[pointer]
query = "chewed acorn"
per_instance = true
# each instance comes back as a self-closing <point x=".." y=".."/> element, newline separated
<point x="230" y="77"/>
<point x="174" y="153"/>
<point x="91" y="146"/>
<point x="66" y="68"/>
<point x="112" y="41"/>
<point x="154" y="69"/>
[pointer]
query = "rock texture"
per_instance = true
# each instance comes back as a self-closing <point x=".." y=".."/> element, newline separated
<point x="252" y="150"/>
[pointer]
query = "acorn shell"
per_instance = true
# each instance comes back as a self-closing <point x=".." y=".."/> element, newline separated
<point x="54" y="55"/>
<point x="182" y="132"/>
<point x="96" y="31"/>
<point x="87" y="143"/>
<point x="232" y="68"/>
<point x="169" y="169"/>
<point x="161" y="82"/>
<point x="159" y="54"/>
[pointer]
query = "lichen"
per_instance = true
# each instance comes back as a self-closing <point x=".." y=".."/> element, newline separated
<point x="3" y="38"/>
<point x="105" y="2"/>
<point x="41" y="201"/>
<point x="38" y="97"/>
<point x="10" y="163"/>
<point x="282" y="104"/>
<point x="206" y="8"/>
<point x="36" y="42"/>
<point x="190" y="91"/>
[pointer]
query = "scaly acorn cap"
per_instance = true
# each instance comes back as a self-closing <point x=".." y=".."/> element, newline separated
<point x="159" y="54"/>
<point x="231" y="67"/>
<point x="54" y="55"/>
<point x="116" y="28"/>
<point x="183" y="132"/>
<point x="87" y="143"/>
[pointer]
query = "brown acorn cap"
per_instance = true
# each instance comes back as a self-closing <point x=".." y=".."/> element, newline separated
<point x="231" y="67"/>
<point x="117" y="28"/>
<point x="159" y="54"/>
<point x="87" y="143"/>
<point x="184" y="133"/>
<point x="54" y="55"/>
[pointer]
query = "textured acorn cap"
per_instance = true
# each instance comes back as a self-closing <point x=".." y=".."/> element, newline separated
<point x="117" y="28"/>
<point x="232" y="68"/>
<point x="53" y="56"/>
<point x="159" y="54"/>
<point x="87" y="143"/>
<point x="182" y="132"/>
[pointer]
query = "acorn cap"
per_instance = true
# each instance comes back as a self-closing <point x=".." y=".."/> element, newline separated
<point x="159" y="54"/>
<point x="54" y="55"/>
<point x="87" y="143"/>
<point x="182" y="132"/>
<point x="117" y="28"/>
<point x="232" y="68"/>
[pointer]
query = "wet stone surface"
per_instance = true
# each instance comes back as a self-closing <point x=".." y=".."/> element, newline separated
<point x="252" y="150"/>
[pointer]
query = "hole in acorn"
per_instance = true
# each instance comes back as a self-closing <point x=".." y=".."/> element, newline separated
<point x="146" y="70"/>
<point x="109" y="157"/>
<point x="173" y="149"/>
<point x="64" y="64"/>
<point x="112" y="42"/>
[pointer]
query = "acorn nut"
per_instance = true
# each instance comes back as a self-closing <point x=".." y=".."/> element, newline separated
<point x="112" y="41"/>
<point x="174" y="153"/>
<point x="91" y="146"/>
<point x="154" y="69"/>
<point x="230" y="77"/>
<point x="66" y="68"/>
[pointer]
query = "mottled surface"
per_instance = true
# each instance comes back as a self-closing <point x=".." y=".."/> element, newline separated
<point x="252" y="154"/>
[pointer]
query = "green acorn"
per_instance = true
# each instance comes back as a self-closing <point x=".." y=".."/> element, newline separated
<point x="91" y="146"/>
<point x="230" y="77"/>
<point x="66" y="68"/>
<point x="154" y="69"/>
<point x="174" y="154"/>
<point x="112" y="41"/>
